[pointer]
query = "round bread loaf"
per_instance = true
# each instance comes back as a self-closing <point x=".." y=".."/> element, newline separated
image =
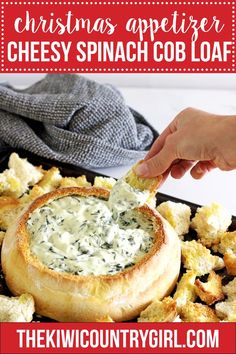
<point x="65" y="296"/>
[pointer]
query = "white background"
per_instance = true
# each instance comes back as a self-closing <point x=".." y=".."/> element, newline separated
<point x="159" y="97"/>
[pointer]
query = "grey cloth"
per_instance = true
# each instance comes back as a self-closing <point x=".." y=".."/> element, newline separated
<point x="74" y="120"/>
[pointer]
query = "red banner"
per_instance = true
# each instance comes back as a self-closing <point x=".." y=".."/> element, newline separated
<point x="118" y="36"/>
<point x="118" y="338"/>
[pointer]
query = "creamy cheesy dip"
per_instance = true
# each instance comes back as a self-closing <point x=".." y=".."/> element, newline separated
<point x="79" y="235"/>
<point x="124" y="197"/>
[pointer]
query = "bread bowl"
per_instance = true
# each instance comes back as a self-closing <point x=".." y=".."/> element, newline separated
<point x="64" y="296"/>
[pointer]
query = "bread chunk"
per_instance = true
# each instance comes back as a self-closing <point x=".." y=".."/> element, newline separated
<point x="160" y="311"/>
<point x="27" y="173"/>
<point x="9" y="208"/>
<point x="150" y="184"/>
<point x="177" y="214"/>
<point x="226" y="310"/>
<point x="211" y="291"/>
<point x="209" y="222"/>
<point x="230" y="263"/>
<point x="80" y="181"/>
<point x="185" y="290"/>
<point x="2" y="235"/>
<point x="227" y="242"/>
<point x="51" y="180"/>
<point x="197" y="257"/>
<point x="10" y="184"/>
<point x="33" y="193"/>
<point x="194" y="312"/>
<point x="230" y="290"/>
<point x="21" y="174"/>
<point x="16" y="309"/>
<point x="104" y="182"/>
<point x="227" y="247"/>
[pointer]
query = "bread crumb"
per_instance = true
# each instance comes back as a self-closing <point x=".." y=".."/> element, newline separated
<point x="10" y="185"/>
<point x="51" y="180"/>
<point x="194" y="312"/>
<point x="27" y="173"/>
<point x="160" y="311"/>
<point x="230" y="263"/>
<point x="230" y="290"/>
<point x="227" y="243"/>
<point x="226" y="310"/>
<point x="104" y="182"/>
<point x="21" y="174"/>
<point x="197" y="257"/>
<point x="185" y="290"/>
<point x="2" y="235"/>
<point x="143" y="184"/>
<point x="209" y="222"/>
<point x="80" y="181"/>
<point x="9" y="209"/>
<point x="16" y="309"/>
<point x="211" y="291"/>
<point x="177" y="214"/>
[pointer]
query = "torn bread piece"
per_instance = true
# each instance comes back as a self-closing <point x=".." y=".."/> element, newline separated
<point x="51" y="180"/>
<point x="80" y="181"/>
<point x="10" y="184"/>
<point x="230" y="290"/>
<point x="16" y="309"/>
<point x="2" y="235"/>
<point x="105" y="319"/>
<point x="195" y="312"/>
<point x="33" y="193"/>
<point x="197" y="257"/>
<point x="211" y="291"/>
<point x="142" y="184"/>
<point x="226" y="310"/>
<point x="159" y="311"/>
<point x="177" y="214"/>
<point x="27" y="173"/>
<point x="21" y="174"/>
<point x="209" y="222"/>
<point x="185" y="290"/>
<point x="230" y="263"/>
<point x="227" y="243"/>
<point x="8" y="210"/>
<point x="104" y="182"/>
<point x="131" y="191"/>
<point x="227" y="247"/>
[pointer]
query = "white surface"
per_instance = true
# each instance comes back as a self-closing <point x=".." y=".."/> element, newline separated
<point x="215" y="81"/>
<point x="159" y="106"/>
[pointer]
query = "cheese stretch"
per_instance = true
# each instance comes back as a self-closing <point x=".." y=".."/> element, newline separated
<point x="81" y="235"/>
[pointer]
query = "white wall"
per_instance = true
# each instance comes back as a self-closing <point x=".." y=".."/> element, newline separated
<point x="213" y="81"/>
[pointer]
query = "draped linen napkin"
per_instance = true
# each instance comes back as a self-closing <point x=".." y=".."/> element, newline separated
<point x="71" y="119"/>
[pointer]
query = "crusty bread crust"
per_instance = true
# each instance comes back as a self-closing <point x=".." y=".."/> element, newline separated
<point x="68" y="297"/>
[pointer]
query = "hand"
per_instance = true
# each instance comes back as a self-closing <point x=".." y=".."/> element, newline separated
<point x="194" y="140"/>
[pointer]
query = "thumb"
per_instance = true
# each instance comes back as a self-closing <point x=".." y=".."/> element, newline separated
<point x="158" y="164"/>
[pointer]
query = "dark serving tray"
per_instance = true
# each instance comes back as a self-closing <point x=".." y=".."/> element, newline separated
<point x="75" y="171"/>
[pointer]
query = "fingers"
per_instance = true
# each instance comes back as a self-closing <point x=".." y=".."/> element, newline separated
<point x="179" y="169"/>
<point x="201" y="168"/>
<point x="158" y="164"/>
<point x="164" y="177"/>
<point x="159" y="143"/>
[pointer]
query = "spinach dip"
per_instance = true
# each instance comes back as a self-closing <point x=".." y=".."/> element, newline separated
<point x="80" y="235"/>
